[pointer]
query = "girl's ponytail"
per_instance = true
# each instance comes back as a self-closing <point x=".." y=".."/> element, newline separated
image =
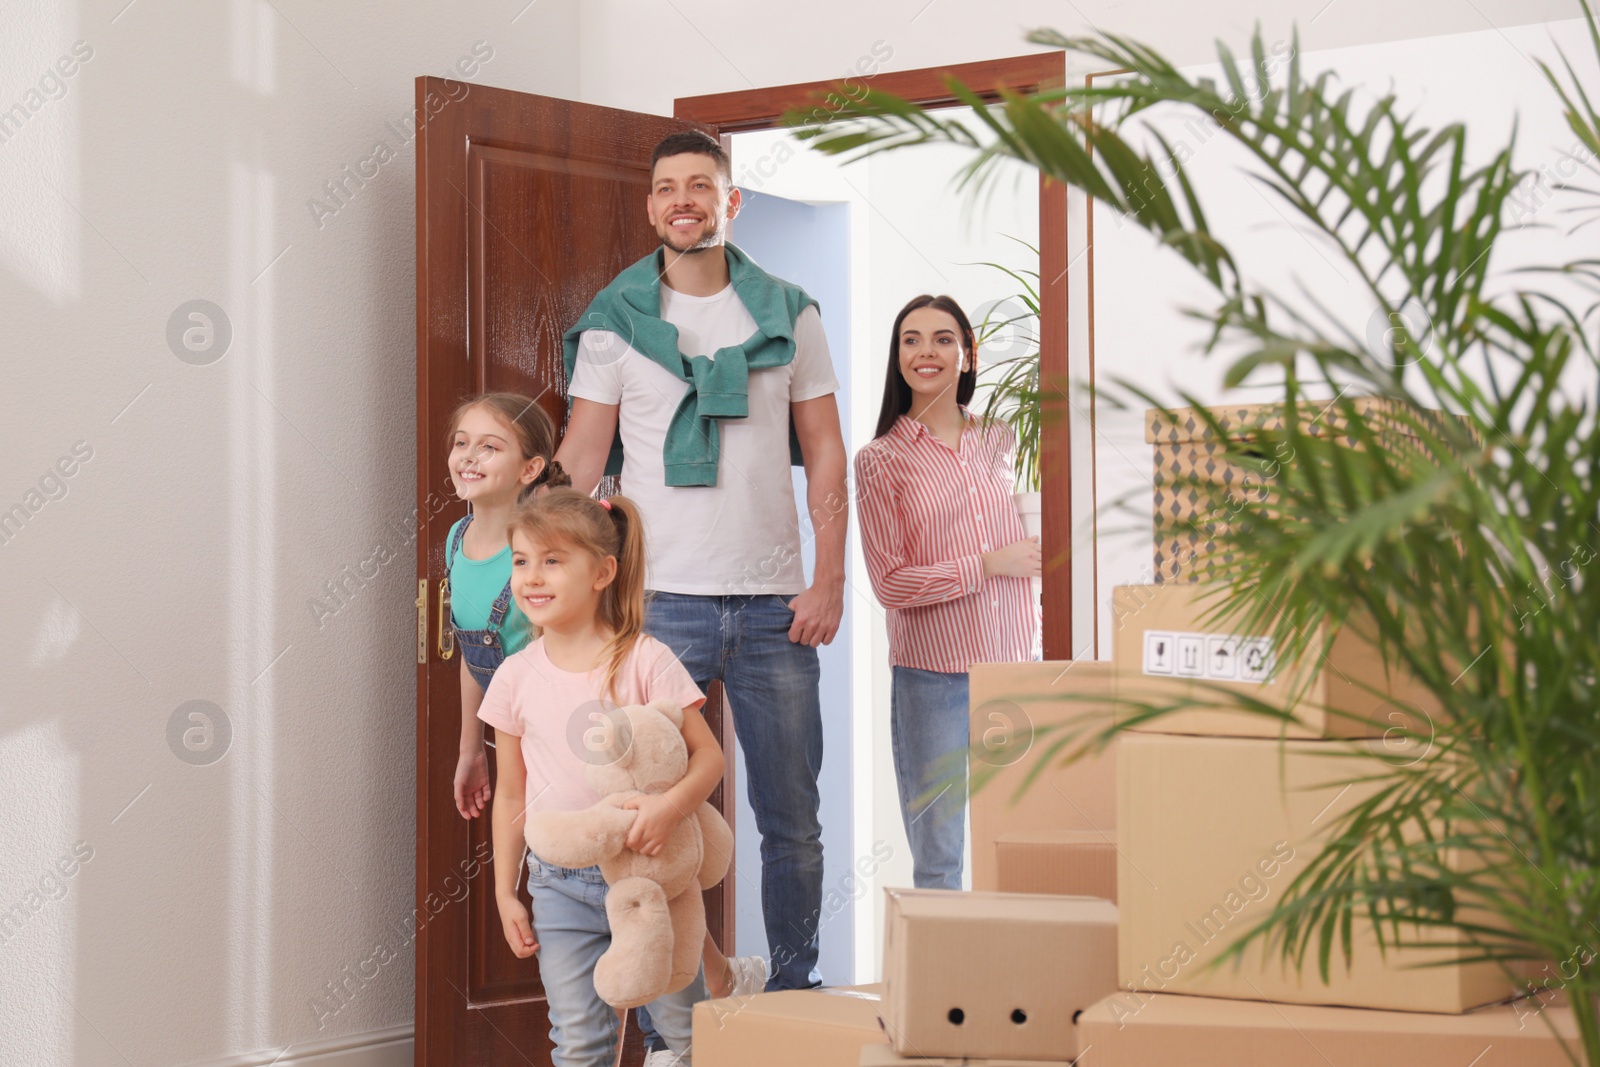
<point x="552" y="477"/>
<point x="622" y="605"/>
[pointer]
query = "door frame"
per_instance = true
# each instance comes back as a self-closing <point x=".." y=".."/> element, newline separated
<point x="763" y="109"/>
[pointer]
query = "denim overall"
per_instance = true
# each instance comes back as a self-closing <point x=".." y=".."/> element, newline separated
<point x="480" y="648"/>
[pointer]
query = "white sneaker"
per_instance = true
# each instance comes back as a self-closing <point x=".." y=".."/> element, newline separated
<point x="662" y="1057"/>
<point x="749" y="975"/>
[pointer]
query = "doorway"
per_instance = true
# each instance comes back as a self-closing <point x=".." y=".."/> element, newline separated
<point x="497" y="283"/>
<point x="876" y="232"/>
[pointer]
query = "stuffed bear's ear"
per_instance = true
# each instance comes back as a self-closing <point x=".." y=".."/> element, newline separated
<point x="673" y="712"/>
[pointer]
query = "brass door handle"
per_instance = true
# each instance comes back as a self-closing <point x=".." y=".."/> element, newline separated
<point x="447" y="632"/>
<point x="422" y="620"/>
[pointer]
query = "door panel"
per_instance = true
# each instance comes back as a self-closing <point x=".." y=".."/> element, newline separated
<point x="526" y="207"/>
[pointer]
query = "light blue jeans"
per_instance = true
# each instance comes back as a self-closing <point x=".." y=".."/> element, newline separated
<point x="777" y="714"/>
<point x="928" y="720"/>
<point x="569" y="921"/>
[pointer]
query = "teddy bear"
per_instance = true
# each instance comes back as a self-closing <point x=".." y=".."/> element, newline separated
<point x="657" y="916"/>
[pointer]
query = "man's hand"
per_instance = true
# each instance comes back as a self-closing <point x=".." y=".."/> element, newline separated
<point x="518" y="926"/>
<point x="817" y="612"/>
<point x="658" y="817"/>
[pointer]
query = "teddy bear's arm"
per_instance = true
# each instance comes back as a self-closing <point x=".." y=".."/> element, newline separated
<point x="581" y="838"/>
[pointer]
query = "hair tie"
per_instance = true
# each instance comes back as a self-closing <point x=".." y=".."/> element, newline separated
<point x="606" y="504"/>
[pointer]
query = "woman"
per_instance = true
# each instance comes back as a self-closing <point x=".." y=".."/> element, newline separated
<point x="949" y="561"/>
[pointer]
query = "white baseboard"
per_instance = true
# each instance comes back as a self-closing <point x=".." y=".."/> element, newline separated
<point x="379" y="1048"/>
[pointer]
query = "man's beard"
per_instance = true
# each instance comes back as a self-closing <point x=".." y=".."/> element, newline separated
<point x="707" y="241"/>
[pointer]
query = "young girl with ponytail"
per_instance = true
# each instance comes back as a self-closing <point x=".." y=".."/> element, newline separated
<point x="578" y="575"/>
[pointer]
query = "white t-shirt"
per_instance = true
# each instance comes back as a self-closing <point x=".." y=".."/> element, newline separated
<point x="742" y="535"/>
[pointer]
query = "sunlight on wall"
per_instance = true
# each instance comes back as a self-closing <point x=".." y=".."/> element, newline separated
<point x="58" y="631"/>
<point x="254" y="28"/>
<point x="38" y="909"/>
<point x="252" y="524"/>
<point x="40" y="228"/>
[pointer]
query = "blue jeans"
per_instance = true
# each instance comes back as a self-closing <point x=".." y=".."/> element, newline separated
<point x="569" y="921"/>
<point x="928" y="719"/>
<point x="777" y="715"/>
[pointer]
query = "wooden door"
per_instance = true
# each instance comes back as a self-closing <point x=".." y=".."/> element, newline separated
<point x="526" y="207"/>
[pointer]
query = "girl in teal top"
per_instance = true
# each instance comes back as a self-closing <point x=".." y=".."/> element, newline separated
<point x="500" y="449"/>
<point x="501" y="446"/>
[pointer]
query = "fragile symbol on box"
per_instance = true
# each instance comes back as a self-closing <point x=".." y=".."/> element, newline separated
<point x="1213" y="657"/>
<point x="1158" y="652"/>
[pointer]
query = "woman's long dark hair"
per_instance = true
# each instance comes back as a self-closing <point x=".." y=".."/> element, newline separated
<point x="896" y="392"/>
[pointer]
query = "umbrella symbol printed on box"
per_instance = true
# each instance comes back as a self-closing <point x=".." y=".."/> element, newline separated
<point x="1221" y="659"/>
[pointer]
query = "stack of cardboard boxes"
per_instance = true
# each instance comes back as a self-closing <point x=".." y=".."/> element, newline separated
<point x="1103" y="890"/>
<point x="1216" y="816"/>
<point x="1217" y="813"/>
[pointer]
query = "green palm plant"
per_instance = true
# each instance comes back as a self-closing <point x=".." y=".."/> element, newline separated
<point x="1011" y="385"/>
<point x="1469" y="544"/>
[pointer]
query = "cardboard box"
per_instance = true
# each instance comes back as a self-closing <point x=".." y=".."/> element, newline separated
<point x="791" y="1028"/>
<point x="1202" y="1032"/>
<point x="1010" y="702"/>
<point x="1191" y="479"/>
<point x="1072" y="863"/>
<point x="1164" y="652"/>
<point x="884" y="1056"/>
<point x="1212" y="836"/>
<point x="996" y="975"/>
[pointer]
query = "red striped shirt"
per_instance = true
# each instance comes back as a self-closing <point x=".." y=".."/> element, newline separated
<point x="928" y="513"/>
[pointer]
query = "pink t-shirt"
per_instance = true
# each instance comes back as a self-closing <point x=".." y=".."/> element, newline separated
<point x="552" y="710"/>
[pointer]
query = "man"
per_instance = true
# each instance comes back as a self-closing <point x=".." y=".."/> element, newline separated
<point x="709" y="375"/>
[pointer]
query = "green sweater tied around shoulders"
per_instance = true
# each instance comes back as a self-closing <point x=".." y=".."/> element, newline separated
<point x="630" y="307"/>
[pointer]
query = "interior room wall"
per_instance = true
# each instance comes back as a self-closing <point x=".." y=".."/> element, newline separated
<point x="204" y="522"/>
<point x="642" y="55"/>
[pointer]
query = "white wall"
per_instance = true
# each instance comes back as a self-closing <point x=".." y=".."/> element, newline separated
<point x="216" y="502"/>
<point x="642" y="54"/>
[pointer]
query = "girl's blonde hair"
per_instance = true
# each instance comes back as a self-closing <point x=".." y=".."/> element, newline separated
<point x="536" y="434"/>
<point x="613" y="528"/>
